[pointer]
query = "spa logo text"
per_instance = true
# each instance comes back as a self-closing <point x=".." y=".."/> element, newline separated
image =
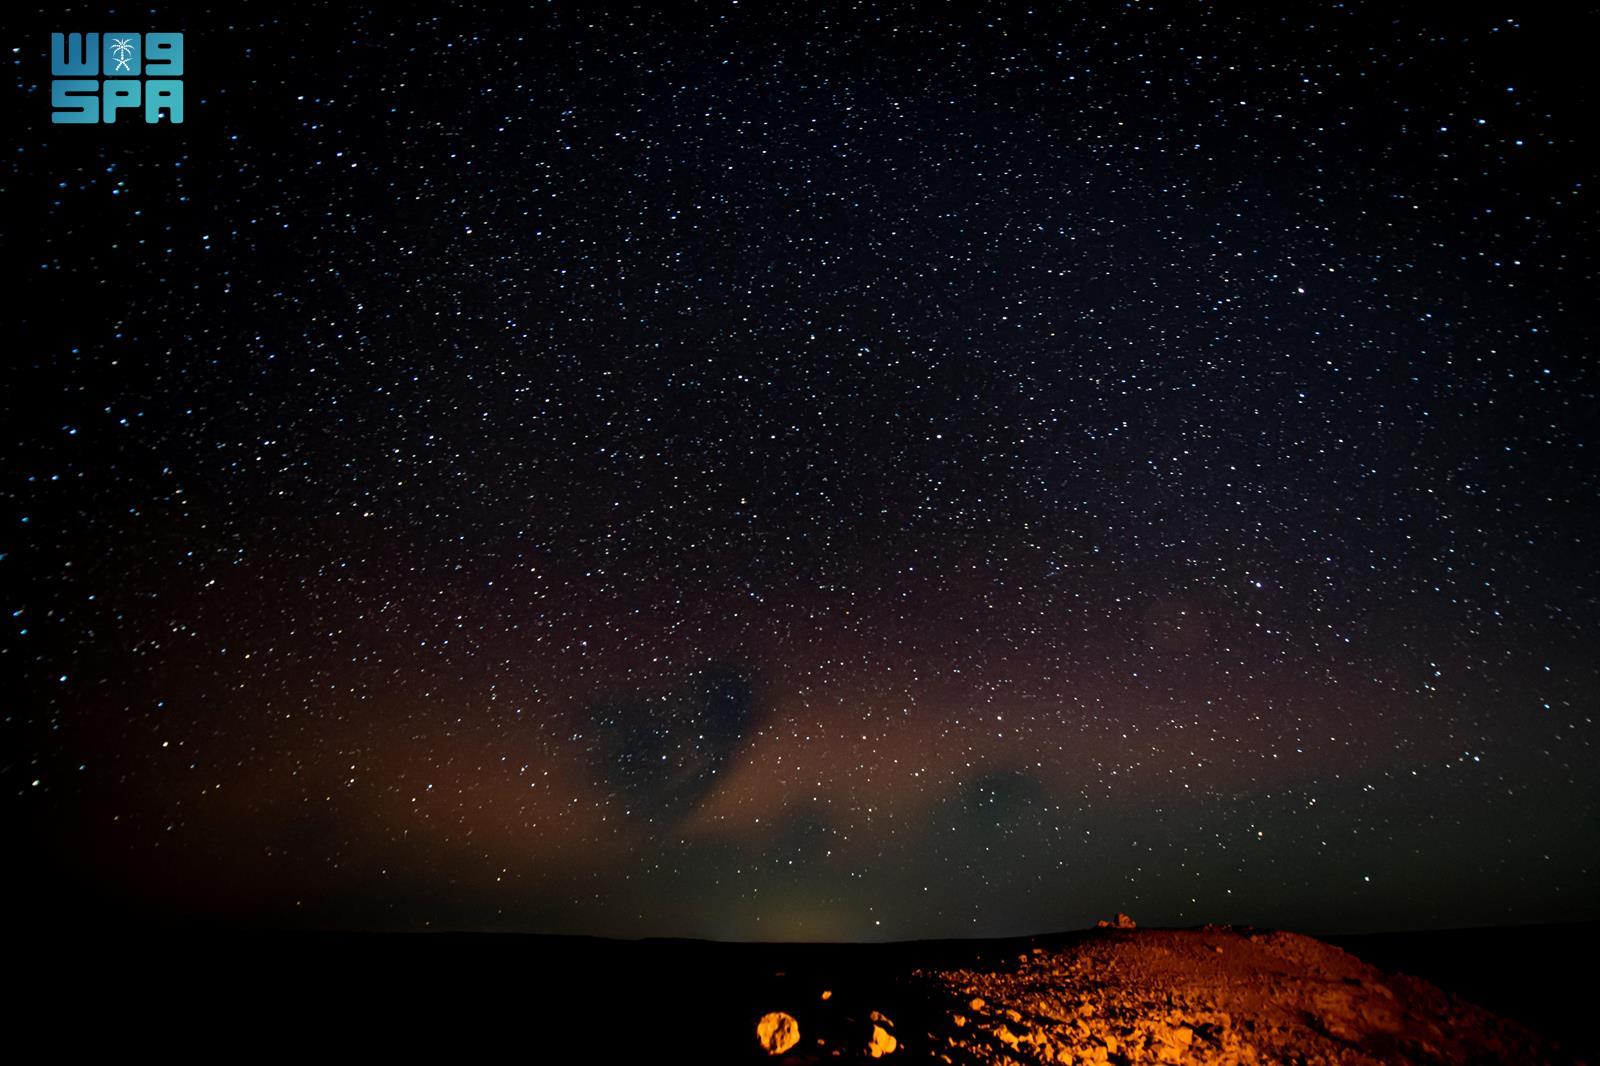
<point x="96" y="75"/>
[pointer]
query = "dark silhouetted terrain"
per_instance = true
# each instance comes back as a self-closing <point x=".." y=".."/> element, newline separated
<point x="1214" y="994"/>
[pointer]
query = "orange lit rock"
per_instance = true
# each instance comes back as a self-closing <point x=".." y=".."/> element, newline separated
<point x="882" y="1042"/>
<point x="1170" y="998"/>
<point x="777" y="1032"/>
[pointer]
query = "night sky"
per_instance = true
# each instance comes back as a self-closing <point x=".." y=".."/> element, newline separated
<point x="807" y="471"/>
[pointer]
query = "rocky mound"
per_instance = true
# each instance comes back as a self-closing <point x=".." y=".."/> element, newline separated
<point x="1214" y="995"/>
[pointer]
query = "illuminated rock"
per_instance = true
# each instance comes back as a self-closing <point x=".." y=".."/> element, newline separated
<point x="777" y="1032"/>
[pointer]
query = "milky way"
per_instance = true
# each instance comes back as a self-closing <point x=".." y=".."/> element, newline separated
<point x="808" y="471"/>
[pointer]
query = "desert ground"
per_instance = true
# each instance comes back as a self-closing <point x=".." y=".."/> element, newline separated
<point x="1213" y="994"/>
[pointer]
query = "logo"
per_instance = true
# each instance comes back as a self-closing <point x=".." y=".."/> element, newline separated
<point x="96" y="75"/>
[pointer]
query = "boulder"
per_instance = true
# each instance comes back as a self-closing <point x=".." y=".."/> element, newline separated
<point x="777" y="1032"/>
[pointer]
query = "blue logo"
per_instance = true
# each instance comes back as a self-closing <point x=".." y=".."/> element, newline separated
<point x="95" y="75"/>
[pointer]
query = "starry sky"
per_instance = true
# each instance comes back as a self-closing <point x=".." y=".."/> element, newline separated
<point x="807" y="470"/>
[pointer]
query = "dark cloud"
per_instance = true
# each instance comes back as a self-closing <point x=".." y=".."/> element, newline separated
<point x="1000" y="802"/>
<point x="662" y="752"/>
